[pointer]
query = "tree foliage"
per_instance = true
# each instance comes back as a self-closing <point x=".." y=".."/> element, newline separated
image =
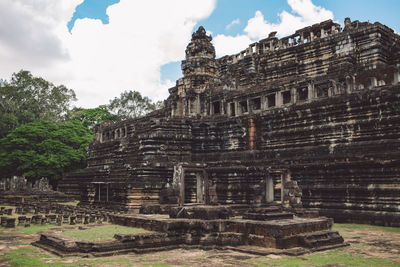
<point x="44" y="149"/>
<point x="91" y="116"/>
<point x="131" y="104"/>
<point x="25" y="99"/>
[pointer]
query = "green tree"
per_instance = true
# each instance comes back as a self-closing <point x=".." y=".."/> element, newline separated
<point x="131" y="104"/>
<point x="91" y="116"/>
<point x="26" y="98"/>
<point x="44" y="149"/>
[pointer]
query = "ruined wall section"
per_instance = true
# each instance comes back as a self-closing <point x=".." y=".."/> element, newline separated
<point x="110" y="157"/>
<point x="132" y="159"/>
<point x="362" y="46"/>
<point x="344" y="152"/>
<point x="236" y="182"/>
<point x="166" y="143"/>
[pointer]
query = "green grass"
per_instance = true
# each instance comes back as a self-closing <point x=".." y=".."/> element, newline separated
<point x="31" y="256"/>
<point x="26" y="257"/>
<point x="324" y="258"/>
<point x="339" y="256"/>
<point x="364" y="227"/>
<point x="102" y="233"/>
<point x="33" y="229"/>
<point x="156" y="265"/>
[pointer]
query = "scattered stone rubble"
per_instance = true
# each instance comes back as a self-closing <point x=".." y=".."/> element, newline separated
<point x="310" y="120"/>
<point x="41" y="213"/>
<point x="18" y="190"/>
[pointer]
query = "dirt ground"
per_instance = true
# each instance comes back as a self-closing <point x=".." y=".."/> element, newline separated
<point x="369" y="246"/>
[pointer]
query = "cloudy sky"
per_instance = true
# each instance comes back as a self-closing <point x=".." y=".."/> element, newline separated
<point x="100" y="48"/>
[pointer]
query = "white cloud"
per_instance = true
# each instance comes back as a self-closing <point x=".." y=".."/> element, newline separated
<point x="29" y="34"/>
<point x="304" y="13"/>
<point x="99" y="61"/>
<point x="234" y="22"/>
<point x="228" y="45"/>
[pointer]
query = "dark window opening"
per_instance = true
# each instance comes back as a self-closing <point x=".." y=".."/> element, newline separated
<point x="243" y="106"/>
<point x="256" y="103"/>
<point x="286" y="97"/>
<point x="108" y="136"/>
<point x="302" y="93"/>
<point x="217" y="107"/>
<point x="118" y="134"/>
<point x="322" y="91"/>
<point x="271" y="100"/>
<point x="233" y="111"/>
<point x="123" y="132"/>
<point x="113" y="135"/>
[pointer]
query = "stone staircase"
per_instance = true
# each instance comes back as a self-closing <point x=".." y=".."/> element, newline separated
<point x="272" y="212"/>
<point x="268" y="216"/>
<point x="320" y="239"/>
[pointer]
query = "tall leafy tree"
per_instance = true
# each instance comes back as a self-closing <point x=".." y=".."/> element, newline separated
<point x="91" y="116"/>
<point x="131" y="104"/>
<point x="44" y="149"/>
<point x="26" y="98"/>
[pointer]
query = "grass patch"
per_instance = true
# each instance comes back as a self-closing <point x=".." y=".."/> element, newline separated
<point x="31" y="256"/>
<point x="157" y="264"/>
<point x="26" y="257"/>
<point x="114" y="261"/>
<point x="364" y="227"/>
<point x="102" y="233"/>
<point x="33" y="229"/>
<point x="325" y="258"/>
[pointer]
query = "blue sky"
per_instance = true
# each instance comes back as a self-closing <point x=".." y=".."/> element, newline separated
<point x="101" y="48"/>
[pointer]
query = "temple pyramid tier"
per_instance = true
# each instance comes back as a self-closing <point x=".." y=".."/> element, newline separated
<point x="309" y="122"/>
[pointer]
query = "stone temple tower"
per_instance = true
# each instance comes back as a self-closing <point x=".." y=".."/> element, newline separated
<point x="199" y="68"/>
<point x="200" y="57"/>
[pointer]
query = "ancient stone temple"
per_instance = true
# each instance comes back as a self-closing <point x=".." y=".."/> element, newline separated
<point x="311" y="120"/>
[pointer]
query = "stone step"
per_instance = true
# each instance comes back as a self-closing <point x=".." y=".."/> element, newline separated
<point x="275" y="208"/>
<point x="320" y="239"/>
<point x="268" y="216"/>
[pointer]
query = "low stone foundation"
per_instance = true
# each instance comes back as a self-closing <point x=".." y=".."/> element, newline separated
<point x="287" y="236"/>
<point x="201" y="212"/>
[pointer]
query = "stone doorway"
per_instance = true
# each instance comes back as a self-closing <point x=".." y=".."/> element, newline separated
<point x="101" y="191"/>
<point x="200" y="192"/>
<point x="269" y="189"/>
<point x="193" y="185"/>
<point x="193" y="189"/>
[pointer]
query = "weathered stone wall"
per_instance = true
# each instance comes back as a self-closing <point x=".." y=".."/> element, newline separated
<point x="344" y="151"/>
<point x="365" y="45"/>
<point x="133" y="167"/>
